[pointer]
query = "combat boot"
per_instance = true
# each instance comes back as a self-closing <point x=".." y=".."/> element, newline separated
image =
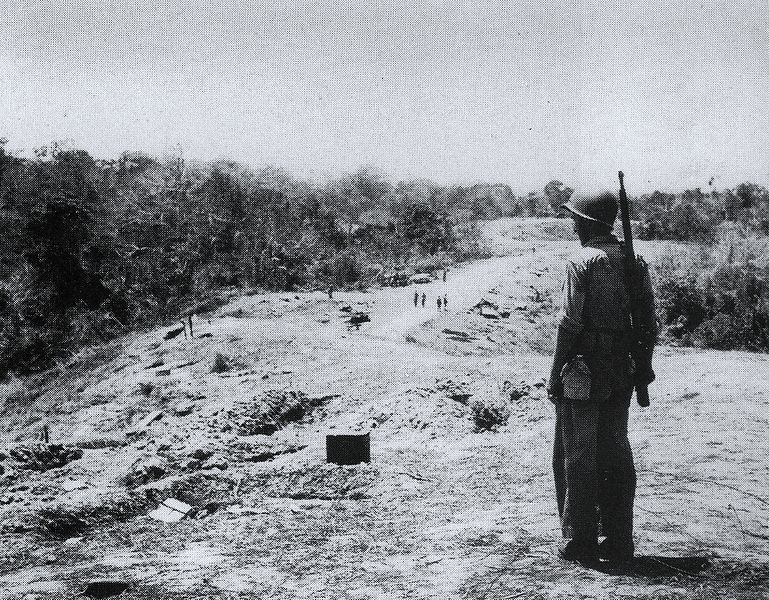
<point x="579" y="551"/>
<point x="616" y="550"/>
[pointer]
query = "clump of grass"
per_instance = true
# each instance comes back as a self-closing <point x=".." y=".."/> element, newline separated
<point x="221" y="364"/>
<point x="62" y="521"/>
<point x="488" y="415"/>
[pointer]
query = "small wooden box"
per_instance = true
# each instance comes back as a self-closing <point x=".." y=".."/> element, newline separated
<point x="348" y="449"/>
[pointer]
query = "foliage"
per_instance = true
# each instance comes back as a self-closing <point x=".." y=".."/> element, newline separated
<point x="93" y="248"/>
<point x="696" y="216"/>
<point x="557" y="194"/>
<point x="221" y="364"/>
<point x="715" y="301"/>
<point x="489" y="415"/>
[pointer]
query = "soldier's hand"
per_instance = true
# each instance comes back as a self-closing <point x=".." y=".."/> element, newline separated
<point x="555" y="391"/>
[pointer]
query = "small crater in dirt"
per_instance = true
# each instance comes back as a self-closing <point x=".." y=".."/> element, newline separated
<point x="272" y="411"/>
<point x="319" y="482"/>
<point x="43" y="457"/>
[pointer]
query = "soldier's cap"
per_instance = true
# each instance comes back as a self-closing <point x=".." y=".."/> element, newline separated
<point x="601" y="208"/>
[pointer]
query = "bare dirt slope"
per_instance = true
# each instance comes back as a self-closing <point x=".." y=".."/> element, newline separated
<point x="441" y="512"/>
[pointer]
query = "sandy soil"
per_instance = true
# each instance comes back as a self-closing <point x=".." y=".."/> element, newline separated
<point x="441" y="511"/>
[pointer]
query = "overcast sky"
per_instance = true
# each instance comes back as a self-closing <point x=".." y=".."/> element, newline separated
<point x="673" y="93"/>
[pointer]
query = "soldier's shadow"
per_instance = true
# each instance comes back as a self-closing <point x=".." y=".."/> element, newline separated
<point x="656" y="566"/>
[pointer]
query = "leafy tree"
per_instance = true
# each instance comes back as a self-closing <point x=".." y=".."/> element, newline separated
<point x="557" y="194"/>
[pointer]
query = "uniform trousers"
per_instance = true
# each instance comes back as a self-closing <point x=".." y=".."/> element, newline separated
<point x="595" y="478"/>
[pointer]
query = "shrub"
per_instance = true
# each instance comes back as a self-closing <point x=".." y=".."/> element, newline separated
<point x="725" y="306"/>
<point x="221" y="364"/>
<point x="489" y="415"/>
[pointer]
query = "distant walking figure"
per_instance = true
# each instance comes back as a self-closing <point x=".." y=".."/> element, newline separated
<point x="445" y="302"/>
<point x="331" y="292"/>
<point x="444" y="275"/>
<point x="424" y="297"/>
<point x="416" y="299"/>
<point x="439" y="303"/>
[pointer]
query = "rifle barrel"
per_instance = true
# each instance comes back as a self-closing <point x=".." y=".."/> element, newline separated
<point x="642" y="391"/>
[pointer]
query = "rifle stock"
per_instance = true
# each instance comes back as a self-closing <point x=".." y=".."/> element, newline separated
<point x="631" y="268"/>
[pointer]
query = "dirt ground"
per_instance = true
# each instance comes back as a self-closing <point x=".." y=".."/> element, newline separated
<point x="442" y="511"/>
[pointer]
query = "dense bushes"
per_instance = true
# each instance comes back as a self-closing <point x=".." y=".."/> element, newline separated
<point x="92" y="248"/>
<point x="715" y="303"/>
<point x="697" y="217"/>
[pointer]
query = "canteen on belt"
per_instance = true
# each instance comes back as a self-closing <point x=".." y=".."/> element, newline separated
<point x="575" y="377"/>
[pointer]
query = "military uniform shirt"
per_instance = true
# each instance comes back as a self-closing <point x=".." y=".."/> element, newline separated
<point x="596" y="309"/>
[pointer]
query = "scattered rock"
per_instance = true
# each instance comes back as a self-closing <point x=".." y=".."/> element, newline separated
<point x="146" y="388"/>
<point x="515" y="391"/>
<point x="201" y="453"/>
<point x="98" y="443"/>
<point x="163" y="445"/>
<point x="193" y="464"/>
<point x="145" y="422"/>
<point x="105" y="588"/>
<point x="207" y="510"/>
<point x="489" y="312"/>
<point x="357" y="318"/>
<point x="456" y="332"/>
<point x="271" y="411"/>
<point x="70" y="485"/>
<point x="250" y="452"/>
<point x="163" y="372"/>
<point x="173" y="333"/>
<point x="454" y="390"/>
<point x="156" y="364"/>
<point x="183" y="409"/>
<point x="43" y="457"/>
<point x="73" y="541"/>
<point x="171" y="511"/>
<point x="144" y="470"/>
<point x="217" y="461"/>
<point x="421" y="278"/>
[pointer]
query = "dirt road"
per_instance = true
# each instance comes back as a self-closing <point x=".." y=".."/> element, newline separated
<point x="441" y="512"/>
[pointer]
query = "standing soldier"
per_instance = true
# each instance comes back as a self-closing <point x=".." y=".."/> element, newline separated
<point x="424" y="297"/>
<point x="591" y="384"/>
<point x="416" y="299"/>
<point x="444" y="275"/>
<point x="439" y="304"/>
<point x="445" y="302"/>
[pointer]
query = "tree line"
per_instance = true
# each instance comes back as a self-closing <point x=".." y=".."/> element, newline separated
<point x="93" y="248"/>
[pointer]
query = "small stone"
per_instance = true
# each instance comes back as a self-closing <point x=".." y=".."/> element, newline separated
<point x="73" y="541"/>
<point x="192" y="464"/>
<point x="184" y="409"/>
<point x="105" y="588"/>
<point x="171" y="511"/>
<point x="201" y="453"/>
<point x="216" y="462"/>
<point x="69" y="485"/>
<point x="178" y="505"/>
